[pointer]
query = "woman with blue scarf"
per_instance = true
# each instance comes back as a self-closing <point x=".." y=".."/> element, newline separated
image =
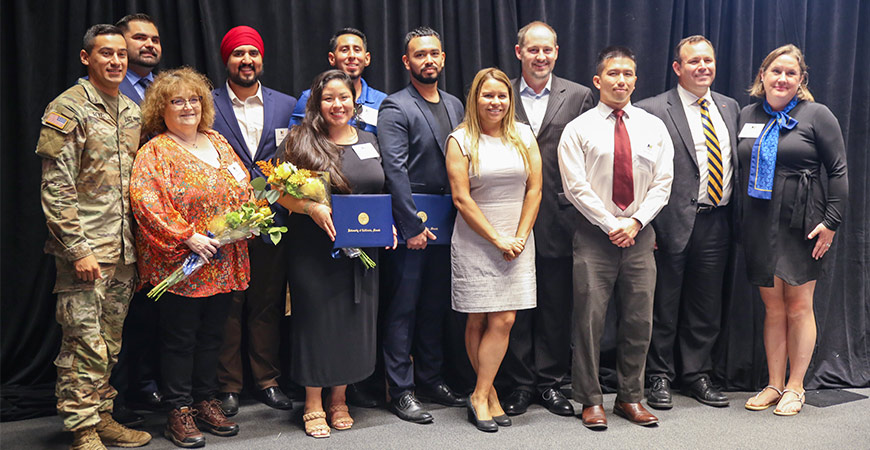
<point x="788" y="219"/>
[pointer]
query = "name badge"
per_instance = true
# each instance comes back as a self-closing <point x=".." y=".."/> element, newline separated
<point x="751" y="131"/>
<point x="280" y="134"/>
<point x="237" y="172"/>
<point x="365" y="151"/>
<point x="369" y="115"/>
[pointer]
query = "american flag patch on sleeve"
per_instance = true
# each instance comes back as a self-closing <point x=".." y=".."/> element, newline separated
<point x="56" y="120"/>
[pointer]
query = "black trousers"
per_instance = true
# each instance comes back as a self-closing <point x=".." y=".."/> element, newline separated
<point x="191" y="333"/>
<point x="139" y="362"/>
<point x="413" y="323"/>
<point x="539" y="354"/>
<point x="687" y="314"/>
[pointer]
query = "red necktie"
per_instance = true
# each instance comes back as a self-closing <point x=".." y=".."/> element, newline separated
<point x="623" y="179"/>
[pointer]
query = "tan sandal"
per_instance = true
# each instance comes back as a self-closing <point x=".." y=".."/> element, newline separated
<point x="315" y="424"/>
<point x="767" y="405"/>
<point x="799" y="399"/>
<point x="339" y="418"/>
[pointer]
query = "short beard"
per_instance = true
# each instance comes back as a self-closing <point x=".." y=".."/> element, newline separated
<point x="245" y="83"/>
<point x="143" y="63"/>
<point x="422" y="79"/>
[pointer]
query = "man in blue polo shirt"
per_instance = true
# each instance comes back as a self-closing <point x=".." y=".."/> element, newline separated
<point x="348" y="52"/>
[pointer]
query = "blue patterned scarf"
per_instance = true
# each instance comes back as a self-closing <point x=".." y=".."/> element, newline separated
<point x="763" y="162"/>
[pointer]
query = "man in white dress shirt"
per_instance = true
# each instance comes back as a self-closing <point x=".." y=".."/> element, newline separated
<point x="616" y="163"/>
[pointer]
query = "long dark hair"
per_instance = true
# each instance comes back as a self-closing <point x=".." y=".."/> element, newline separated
<point x="308" y="145"/>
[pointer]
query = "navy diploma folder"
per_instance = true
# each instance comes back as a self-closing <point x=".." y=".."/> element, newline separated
<point x="438" y="214"/>
<point x="362" y="220"/>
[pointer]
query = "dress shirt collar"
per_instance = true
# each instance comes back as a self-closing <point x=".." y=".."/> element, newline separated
<point x="237" y="101"/>
<point x="134" y="77"/>
<point x="366" y="92"/>
<point x="605" y="111"/>
<point x="690" y="99"/>
<point x="525" y="89"/>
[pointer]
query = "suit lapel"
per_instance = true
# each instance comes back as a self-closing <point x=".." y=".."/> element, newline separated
<point x="519" y="109"/>
<point x="730" y="119"/>
<point x="268" y="112"/>
<point x="225" y="109"/>
<point x="557" y="97"/>
<point x="678" y="116"/>
<point x="423" y="106"/>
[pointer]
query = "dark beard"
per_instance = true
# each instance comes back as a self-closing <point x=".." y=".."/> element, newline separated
<point x="235" y="78"/>
<point x="143" y="63"/>
<point x="422" y="79"/>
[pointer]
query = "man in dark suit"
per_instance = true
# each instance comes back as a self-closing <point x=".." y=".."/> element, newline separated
<point x="253" y="119"/>
<point x="143" y="54"/>
<point x="694" y="230"/>
<point x="538" y="359"/>
<point x="413" y="125"/>
<point x="135" y="374"/>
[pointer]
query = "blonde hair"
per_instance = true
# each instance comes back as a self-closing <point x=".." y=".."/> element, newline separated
<point x="509" y="133"/>
<point x="165" y="87"/>
<point x="803" y="92"/>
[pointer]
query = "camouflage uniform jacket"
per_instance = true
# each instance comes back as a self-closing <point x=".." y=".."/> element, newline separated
<point x="87" y="159"/>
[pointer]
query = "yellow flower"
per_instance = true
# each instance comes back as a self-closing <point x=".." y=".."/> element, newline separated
<point x="284" y="171"/>
<point x="314" y="190"/>
<point x="217" y="225"/>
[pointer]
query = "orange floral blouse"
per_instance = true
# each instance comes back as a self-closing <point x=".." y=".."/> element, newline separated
<point x="174" y="193"/>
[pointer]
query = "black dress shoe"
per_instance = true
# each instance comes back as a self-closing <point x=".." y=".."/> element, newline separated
<point x="272" y="396"/>
<point x="407" y="407"/>
<point x="483" y="425"/>
<point x="229" y="403"/>
<point x="127" y="417"/>
<point x="441" y="394"/>
<point x="659" y="396"/>
<point x="703" y="391"/>
<point x="357" y="396"/>
<point x="554" y="401"/>
<point x="151" y="401"/>
<point x="517" y="403"/>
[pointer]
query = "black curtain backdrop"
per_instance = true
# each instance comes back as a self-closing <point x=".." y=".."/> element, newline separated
<point x="41" y="43"/>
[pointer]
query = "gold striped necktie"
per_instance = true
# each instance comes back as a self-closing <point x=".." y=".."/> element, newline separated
<point x="714" y="156"/>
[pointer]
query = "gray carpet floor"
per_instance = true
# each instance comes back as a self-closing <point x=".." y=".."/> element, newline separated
<point x="689" y="425"/>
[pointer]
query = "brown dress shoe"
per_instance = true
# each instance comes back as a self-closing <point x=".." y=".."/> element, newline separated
<point x="593" y="417"/>
<point x="635" y="413"/>
<point x="87" y="439"/>
<point x="113" y="434"/>
<point x="181" y="428"/>
<point x="212" y="419"/>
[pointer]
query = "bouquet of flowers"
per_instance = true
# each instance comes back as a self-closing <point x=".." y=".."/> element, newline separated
<point x="303" y="183"/>
<point x="251" y="219"/>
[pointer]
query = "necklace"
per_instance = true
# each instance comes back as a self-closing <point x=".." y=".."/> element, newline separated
<point x="184" y="142"/>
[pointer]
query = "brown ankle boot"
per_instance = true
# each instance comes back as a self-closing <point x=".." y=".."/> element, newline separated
<point x="113" y="434"/>
<point x="181" y="428"/>
<point x="210" y="417"/>
<point x="87" y="439"/>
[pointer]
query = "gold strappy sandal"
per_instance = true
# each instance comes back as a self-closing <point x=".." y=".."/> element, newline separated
<point x="339" y="418"/>
<point x="767" y="405"/>
<point x="315" y="424"/>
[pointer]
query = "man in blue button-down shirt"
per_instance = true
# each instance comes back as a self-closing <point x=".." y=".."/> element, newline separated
<point x="349" y="53"/>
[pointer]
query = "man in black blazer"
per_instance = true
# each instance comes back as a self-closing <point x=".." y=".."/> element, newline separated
<point x="694" y="230"/>
<point x="539" y="356"/>
<point x="413" y="125"/>
<point x="253" y="119"/>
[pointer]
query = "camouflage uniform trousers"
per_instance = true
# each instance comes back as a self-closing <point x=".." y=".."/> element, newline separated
<point x="91" y="315"/>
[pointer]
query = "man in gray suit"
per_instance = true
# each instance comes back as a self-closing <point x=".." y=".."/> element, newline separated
<point x="539" y="355"/>
<point x="694" y="230"/>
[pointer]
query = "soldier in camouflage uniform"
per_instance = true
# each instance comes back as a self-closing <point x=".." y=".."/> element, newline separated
<point x="88" y="141"/>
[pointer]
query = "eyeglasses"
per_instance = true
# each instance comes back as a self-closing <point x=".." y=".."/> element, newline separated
<point x="192" y="101"/>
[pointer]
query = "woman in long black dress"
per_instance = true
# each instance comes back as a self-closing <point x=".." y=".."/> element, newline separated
<point x="334" y="299"/>
<point x="789" y="220"/>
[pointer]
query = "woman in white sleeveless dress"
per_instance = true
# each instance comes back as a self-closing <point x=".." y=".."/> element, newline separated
<point x="494" y="168"/>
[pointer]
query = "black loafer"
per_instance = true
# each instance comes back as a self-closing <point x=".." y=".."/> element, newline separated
<point x="488" y="426"/>
<point x="408" y="408"/>
<point x="659" y="396"/>
<point x="517" y="403"/>
<point x="357" y="396"/>
<point x="441" y="394"/>
<point x="151" y="401"/>
<point x="229" y="403"/>
<point x="556" y="403"/>
<point x="274" y="397"/>
<point x="704" y="391"/>
<point x="127" y="417"/>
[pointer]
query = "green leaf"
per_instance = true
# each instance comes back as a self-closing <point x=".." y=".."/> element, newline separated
<point x="276" y="238"/>
<point x="258" y="183"/>
<point x="259" y="195"/>
<point x="272" y="196"/>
